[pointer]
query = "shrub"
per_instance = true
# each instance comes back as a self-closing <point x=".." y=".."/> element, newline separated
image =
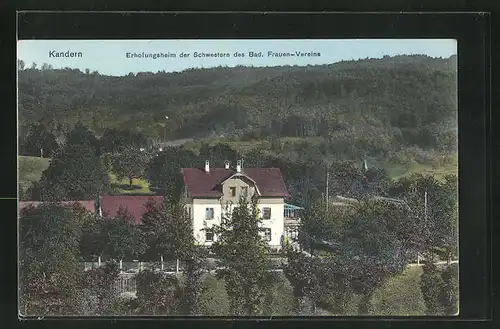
<point x="401" y="295"/>
<point x="279" y="298"/>
<point x="448" y="297"/>
<point x="430" y="285"/>
<point x="214" y="300"/>
<point x="157" y="293"/>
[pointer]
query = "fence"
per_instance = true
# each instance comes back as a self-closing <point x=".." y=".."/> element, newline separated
<point x="135" y="267"/>
<point x="125" y="283"/>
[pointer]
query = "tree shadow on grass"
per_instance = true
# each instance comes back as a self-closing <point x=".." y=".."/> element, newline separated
<point x="127" y="187"/>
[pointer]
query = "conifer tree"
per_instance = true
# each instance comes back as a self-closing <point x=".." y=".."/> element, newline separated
<point x="244" y="258"/>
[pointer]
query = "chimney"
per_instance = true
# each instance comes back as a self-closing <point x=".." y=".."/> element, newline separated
<point x="207" y="166"/>
<point x="238" y="166"/>
<point x="226" y="164"/>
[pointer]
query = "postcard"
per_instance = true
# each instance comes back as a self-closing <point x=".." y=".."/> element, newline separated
<point x="232" y="177"/>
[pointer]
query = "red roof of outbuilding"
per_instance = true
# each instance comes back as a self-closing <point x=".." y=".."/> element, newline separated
<point x="135" y="205"/>
<point x="86" y="204"/>
<point x="199" y="183"/>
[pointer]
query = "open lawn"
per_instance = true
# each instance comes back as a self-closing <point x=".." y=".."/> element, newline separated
<point x="139" y="186"/>
<point x="31" y="169"/>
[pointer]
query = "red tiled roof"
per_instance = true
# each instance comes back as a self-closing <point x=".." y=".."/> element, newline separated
<point x="269" y="181"/>
<point x="135" y="205"/>
<point x="89" y="205"/>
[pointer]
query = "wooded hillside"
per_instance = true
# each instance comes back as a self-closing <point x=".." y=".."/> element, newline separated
<point x="376" y="105"/>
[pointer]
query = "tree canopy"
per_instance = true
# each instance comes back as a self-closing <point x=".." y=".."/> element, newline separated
<point x="75" y="174"/>
<point x="244" y="258"/>
<point x="48" y="261"/>
<point x="168" y="232"/>
<point x="374" y="105"/>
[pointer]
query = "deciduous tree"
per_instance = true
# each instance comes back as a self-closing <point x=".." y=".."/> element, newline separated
<point x="114" y="238"/>
<point x="449" y="295"/>
<point x="158" y="293"/>
<point x="99" y="283"/>
<point x="435" y="205"/>
<point x="48" y="261"/>
<point x="303" y="274"/>
<point x="370" y="251"/>
<point x="81" y="135"/>
<point x="115" y="140"/>
<point x="130" y="163"/>
<point x="193" y="287"/>
<point x="431" y="284"/>
<point x="76" y="174"/>
<point x="39" y="141"/>
<point x="164" y="170"/>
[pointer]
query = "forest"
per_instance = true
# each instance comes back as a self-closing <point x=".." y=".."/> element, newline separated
<point x="79" y="132"/>
<point x="401" y="101"/>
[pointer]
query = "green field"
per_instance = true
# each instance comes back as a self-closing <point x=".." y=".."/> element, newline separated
<point x="400" y="295"/>
<point x="439" y="171"/>
<point x="31" y="169"/>
<point x="139" y="186"/>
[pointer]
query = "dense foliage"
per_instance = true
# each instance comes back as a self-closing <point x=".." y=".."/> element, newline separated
<point x="372" y="105"/>
<point x="168" y="232"/>
<point x="157" y="294"/>
<point x="74" y="174"/>
<point x="48" y="268"/>
<point x="320" y="125"/>
<point x="243" y="256"/>
<point x="129" y="163"/>
<point x="114" y="238"/>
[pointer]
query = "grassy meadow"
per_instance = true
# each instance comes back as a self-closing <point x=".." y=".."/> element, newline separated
<point x="139" y="186"/>
<point x="439" y="169"/>
<point x="31" y="169"/>
<point x="399" y="296"/>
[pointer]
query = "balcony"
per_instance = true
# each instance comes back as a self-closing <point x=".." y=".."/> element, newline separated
<point x="292" y="215"/>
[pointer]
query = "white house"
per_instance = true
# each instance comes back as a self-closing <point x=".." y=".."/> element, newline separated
<point x="210" y="192"/>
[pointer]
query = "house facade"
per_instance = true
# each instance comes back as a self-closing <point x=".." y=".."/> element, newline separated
<point x="211" y="193"/>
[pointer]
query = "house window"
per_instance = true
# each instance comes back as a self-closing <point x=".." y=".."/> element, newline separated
<point x="266" y="213"/>
<point x="244" y="191"/>
<point x="233" y="190"/>
<point x="209" y="213"/>
<point x="209" y="236"/>
<point x="267" y="234"/>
